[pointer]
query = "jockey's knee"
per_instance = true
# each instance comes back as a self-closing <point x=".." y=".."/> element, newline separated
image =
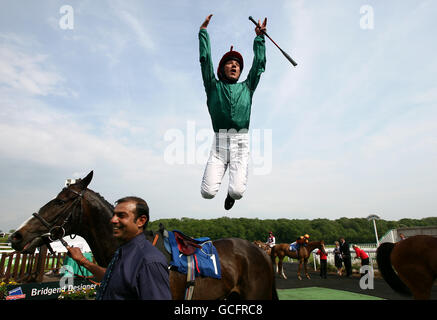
<point x="207" y="194"/>
<point x="236" y="192"/>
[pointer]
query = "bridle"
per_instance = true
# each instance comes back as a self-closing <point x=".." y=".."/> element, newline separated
<point x="57" y="232"/>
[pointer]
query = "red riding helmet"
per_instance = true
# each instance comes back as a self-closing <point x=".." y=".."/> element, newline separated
<point x="230" y="55"/>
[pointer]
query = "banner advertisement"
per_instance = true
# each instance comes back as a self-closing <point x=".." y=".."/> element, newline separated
<point x="46" y="290"/>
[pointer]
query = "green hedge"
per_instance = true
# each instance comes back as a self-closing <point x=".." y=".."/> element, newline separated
<point x="358" y="230"/>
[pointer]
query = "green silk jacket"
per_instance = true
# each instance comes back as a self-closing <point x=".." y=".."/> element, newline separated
<point x="229" y="105"/>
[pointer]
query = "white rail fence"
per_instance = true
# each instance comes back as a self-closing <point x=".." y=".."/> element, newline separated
<point x="6" y="247"/>
<point x="57" y="245"/>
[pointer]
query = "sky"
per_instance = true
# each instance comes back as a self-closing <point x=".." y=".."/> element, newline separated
<point x="115" y="87"/>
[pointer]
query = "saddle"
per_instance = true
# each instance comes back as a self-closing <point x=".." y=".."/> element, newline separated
<point x="293" y="246"/>
<point x="186" y="245"/>
<point x="205" y="255"/>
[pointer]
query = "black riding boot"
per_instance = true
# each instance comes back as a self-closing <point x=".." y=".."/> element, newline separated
<point x="229" y="202"/>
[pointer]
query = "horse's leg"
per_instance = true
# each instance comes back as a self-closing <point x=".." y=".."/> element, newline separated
<point x="281" y="267"/>
<point x="298" y="270"/>
<point x="306" y="268"/>
<point x="276" y="265"/>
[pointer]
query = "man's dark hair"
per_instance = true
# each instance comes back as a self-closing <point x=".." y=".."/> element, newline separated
<point x="141" y="207"/>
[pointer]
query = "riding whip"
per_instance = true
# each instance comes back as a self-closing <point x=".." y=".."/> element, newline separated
<point x="282" y="51"/>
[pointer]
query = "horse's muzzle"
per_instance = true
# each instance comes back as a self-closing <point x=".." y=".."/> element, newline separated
<point x="19" y="243"/>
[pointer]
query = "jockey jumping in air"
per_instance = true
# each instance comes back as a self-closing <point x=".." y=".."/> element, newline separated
<point x="229" y="105"/>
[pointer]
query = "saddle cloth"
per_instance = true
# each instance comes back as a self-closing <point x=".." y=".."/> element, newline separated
<point x="205" y="254"/>
<point x="293" y="246"/>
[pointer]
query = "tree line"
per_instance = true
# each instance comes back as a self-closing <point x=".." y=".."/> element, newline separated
<point x="354" y="230"/>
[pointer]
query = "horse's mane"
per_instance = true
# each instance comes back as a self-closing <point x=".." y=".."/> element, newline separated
<point x="316" y="242"/>
<point x="98" y="199"/>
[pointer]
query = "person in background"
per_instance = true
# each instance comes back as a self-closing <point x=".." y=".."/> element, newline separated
<point x="362" y="255"/>
<point x="307" y="238"/>
<point x="323" y="264"/>
<point x="338" y="260"/>
<point x="402" y="237"/>
<point x="300" y="241"/>
<point x="271" y="241"/>
<point x="346" y="256"/>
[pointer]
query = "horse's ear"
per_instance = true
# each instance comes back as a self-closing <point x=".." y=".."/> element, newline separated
<point x="86" y="181"/>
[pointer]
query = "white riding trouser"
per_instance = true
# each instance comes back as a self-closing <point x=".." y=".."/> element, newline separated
<point x="228" y="150"/>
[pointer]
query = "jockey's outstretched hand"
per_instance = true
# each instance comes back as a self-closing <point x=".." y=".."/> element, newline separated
<point x="259" y="31"/>
<point x="206" y="22"/>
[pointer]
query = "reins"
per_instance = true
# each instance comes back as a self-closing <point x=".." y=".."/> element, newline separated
<point x="155" y="239"/>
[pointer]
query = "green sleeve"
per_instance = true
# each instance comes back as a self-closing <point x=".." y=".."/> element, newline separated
<point x="206" y="65"/>
<point x="259" y="62"/>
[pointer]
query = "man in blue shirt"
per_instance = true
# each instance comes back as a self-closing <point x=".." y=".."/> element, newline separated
<point x="138" y="270"/>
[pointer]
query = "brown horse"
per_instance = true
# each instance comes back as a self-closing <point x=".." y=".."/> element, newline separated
<point x="283" y="249"/>
<point x="409" y="266"/>
<point x="264" y="246"/>
<point x="247" y="273"/>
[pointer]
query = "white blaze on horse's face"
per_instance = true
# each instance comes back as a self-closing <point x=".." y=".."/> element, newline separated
<point x="25" y="223"/>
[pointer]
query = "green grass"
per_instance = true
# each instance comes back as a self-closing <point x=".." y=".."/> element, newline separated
<point x="317" y="293"/>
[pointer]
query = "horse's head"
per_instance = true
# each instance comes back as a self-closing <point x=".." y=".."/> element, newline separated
<point x="314" y="245"/>
<point x="53" y="220"/>
<point x="258" y="243"/>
